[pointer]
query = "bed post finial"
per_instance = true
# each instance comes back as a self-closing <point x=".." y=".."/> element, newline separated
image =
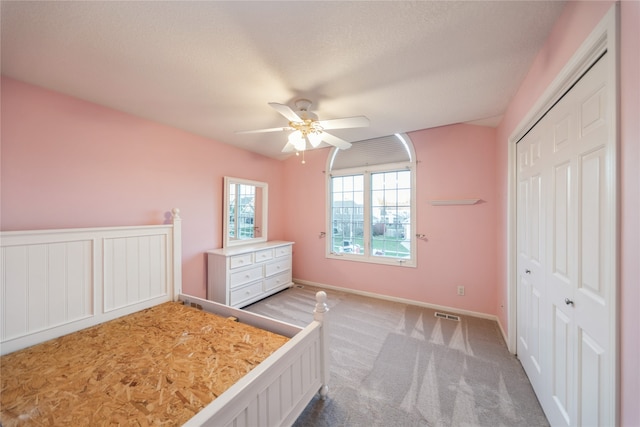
<point x="175" y="214"/>
<point x="318" y="315"/>
<point x="321" y="306"/>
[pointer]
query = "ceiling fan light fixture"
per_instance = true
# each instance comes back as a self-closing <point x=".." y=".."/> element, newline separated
<point x="315" y="138"/>
<point x="298" y="141"/>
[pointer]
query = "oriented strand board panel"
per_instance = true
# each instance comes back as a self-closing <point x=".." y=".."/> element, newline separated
<point x="156" y="367"/>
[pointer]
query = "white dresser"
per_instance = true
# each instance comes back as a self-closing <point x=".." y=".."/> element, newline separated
<point x="238" y="276"/>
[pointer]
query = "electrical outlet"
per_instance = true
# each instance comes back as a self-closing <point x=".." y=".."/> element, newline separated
<point x="461" y="290"/>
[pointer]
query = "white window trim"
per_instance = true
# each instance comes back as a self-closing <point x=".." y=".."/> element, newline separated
<point x="367" y="170"/>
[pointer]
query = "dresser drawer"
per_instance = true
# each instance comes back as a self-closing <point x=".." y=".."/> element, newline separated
<point x="283" y="250"/>
<point x="245" y="276"/>
<point x="239" y="260"/>
<point x="276" y="267"/>
<point x="246" y="292"/>
<point x="277" y="281"/>
<point x="264" y="255"/>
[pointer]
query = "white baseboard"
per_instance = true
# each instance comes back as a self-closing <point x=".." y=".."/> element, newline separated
<point x="404" y="301"/>
<point x="505" y="337"/>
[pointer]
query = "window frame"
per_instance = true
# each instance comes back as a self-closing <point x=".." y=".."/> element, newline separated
<point x="367" y="171"/>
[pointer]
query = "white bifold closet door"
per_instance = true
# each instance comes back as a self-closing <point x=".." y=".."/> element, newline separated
<point x="564" y="229"/>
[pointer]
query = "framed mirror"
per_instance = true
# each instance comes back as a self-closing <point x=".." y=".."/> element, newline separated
<point x="245" y="211"/>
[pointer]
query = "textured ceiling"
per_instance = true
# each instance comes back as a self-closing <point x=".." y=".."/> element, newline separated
<point x="210" y="67"/>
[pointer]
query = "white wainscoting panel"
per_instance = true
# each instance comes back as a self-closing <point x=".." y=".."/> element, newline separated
<point x="135" y="269"/>
<point x="45" y="285"/>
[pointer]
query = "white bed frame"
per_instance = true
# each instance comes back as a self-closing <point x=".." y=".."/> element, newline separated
<point x="54" y="282"/>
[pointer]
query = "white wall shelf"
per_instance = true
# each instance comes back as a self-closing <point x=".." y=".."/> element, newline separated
<point x="454" y="202"/>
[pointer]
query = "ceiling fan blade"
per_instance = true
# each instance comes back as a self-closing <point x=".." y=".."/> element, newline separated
<point x="287" y="112"/>
<point x="289" y="148"/>
<point x="335" y="141"/>
<point x="280" y="129"/>
<point x="347" y="122"/>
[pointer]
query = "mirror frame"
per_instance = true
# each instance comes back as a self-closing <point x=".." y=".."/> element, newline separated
<point x="226" y="240"/>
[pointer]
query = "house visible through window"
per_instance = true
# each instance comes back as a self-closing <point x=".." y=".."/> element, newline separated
<point x="371" y="193"/>
<point x="242" y="211"/>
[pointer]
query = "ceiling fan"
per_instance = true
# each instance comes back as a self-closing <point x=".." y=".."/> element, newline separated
<point x="308" y="129"/>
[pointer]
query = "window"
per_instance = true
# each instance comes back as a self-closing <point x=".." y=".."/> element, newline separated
<point x="242" y="211"/>
<point x="371" y="193"/>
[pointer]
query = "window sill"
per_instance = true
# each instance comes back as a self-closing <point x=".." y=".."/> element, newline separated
<point x="395" y="262"/>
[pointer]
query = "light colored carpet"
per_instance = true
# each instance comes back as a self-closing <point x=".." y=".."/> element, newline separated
<point x="395" y="364"/>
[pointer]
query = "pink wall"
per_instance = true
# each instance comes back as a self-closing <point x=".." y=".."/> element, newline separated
<point x="630" y="213"/>
<point x="454" y="162"/>
<point x="574" y="25"/>
<point x="70" y="163"/>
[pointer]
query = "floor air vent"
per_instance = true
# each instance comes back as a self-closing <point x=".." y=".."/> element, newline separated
<point x="447" y="316"/>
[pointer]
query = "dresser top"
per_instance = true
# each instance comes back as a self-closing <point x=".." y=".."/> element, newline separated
<point x="235" y="250"/>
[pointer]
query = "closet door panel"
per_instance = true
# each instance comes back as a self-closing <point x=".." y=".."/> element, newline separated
<point x="531" y="187"/>
<point x="591" y="371"/>
<point x="561" y="267"/>
<point x="561" y="372"/>
<point x="535" y="227"/>
<point x="595" y="227"/>
<point x="561" y="222"/>
<point x="591" y="223"/>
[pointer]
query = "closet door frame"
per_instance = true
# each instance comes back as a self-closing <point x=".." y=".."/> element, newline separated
<point x="603" y="38"/>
